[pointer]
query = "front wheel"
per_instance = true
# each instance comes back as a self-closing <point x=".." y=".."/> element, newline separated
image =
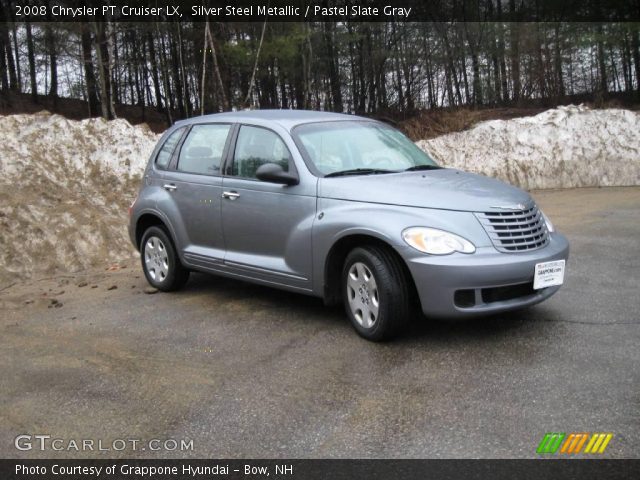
<point x="375" y="292"/>
<point x="160" y="264"/>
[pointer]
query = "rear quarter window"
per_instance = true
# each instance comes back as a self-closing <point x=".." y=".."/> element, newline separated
<point x="168" y="147"/>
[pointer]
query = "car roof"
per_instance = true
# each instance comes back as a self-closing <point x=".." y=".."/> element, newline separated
<point x="286" y="118"/>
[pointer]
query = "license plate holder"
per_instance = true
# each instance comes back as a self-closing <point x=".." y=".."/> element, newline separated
<point x="548" y="274"/>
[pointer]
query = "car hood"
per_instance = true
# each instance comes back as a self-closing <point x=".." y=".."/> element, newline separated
<point x="444" y="188"/>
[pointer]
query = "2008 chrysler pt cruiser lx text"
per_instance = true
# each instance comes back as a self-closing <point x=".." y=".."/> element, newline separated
<point x="343" y="208"/>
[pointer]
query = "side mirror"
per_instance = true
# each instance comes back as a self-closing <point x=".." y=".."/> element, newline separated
<point x="272" y="172"/>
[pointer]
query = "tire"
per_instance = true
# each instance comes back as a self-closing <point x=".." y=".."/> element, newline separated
<point x="375" y="292"/>
<point x="160" y="264"/>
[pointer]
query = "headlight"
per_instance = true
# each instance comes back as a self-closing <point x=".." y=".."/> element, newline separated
<point x="550" y="226"/>
<point x="436" y="242"/>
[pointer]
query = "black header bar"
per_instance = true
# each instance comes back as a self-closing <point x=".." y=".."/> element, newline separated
<point x="323" y="10"/>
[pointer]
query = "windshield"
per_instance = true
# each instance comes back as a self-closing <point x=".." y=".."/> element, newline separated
<point x="359" y="147"/>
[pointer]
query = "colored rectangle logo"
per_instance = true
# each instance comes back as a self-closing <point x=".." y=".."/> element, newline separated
<point x="574" y="443"/>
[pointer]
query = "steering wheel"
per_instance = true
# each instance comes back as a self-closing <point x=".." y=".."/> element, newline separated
<point x="331" y="161"/>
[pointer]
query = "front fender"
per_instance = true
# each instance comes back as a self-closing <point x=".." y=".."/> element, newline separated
<point x="337" y="219"/>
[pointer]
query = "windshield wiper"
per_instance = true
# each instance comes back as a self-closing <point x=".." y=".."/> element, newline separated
<point x="422" y="167"/>
<point x="358" y="171"/>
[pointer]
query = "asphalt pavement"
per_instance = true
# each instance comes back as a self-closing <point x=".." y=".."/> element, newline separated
<point x="242" y="371"/>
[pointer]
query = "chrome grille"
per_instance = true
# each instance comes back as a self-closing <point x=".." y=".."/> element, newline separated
<point x="516" y="230"/>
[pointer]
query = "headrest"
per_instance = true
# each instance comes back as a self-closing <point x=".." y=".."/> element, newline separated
<point x="200" y="152"/>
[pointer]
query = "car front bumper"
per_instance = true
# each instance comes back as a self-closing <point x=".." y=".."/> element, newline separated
<point x="482" y="283"/>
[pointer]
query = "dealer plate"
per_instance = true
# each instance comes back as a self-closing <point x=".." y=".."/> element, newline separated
<point x="548" y="274"/>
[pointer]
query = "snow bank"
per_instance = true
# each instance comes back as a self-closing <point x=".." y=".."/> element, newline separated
<point x="65" y="187"/>
<point x="566" y="147"/>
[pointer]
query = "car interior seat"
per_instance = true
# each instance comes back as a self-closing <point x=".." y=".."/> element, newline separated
<point x="199" y="159"/>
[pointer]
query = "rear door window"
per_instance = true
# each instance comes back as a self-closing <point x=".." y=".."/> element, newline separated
<point x="202" y="150"/>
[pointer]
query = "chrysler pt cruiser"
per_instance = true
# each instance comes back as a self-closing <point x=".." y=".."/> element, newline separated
<point x="343" y="208"/>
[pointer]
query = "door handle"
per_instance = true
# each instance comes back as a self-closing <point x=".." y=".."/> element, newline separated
<point x="230" y="195"/>
<point x="169" y="187"/>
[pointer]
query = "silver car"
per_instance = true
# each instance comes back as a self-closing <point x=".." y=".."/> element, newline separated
<point x="343" y="208"/>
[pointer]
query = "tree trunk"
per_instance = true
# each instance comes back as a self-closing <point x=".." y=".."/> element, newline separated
<point x="154" y="71"/>
<point x="635" y="40"/>
<point x="114" y="60"/>
<point x="477" y="84"/>
<point x="602" y="66"/>
<point x="53" y="61"/>
<point x="5" y="44"/>
<point x="453" y="75"/>
<point x="334" y="72"/>
<point x="255" y="66"/>
<point x="145" y="74"/>
<point x="112" y="53"/>
<point x="501" y="53"/>
<point x="626" y="63"/>
<point x="449" y="85"/>
<point x="474" y="38"/>
<point x="16" y="50"/>
<point x="514" y="52"/>
<point x="307" y="67"/>
<point x="216" y="68"/>
<point x="204" y="71"/>
<point x="177" y="80"/>
<point x="465" y="80"/>
<point x="32" y="63"/>
<point x="494" y="34"/>
<point x="89" y="75"/>
<point x="541" y="79"/>
<point x="102" y="51"/>
<point x="139" y="72"/>
<point x="558" y="63"/>
<point x="164" y="69"/>
<point x="183" y="76"/>
<point x="431" y="93"/>
<point x="284" y="101"/>
<point x="4" y="78"/>
<point x="362" y="83"/>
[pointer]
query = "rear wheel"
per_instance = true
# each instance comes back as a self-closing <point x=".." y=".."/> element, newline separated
<point x="160" y="264"/>
<point x="375" y="292"/>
